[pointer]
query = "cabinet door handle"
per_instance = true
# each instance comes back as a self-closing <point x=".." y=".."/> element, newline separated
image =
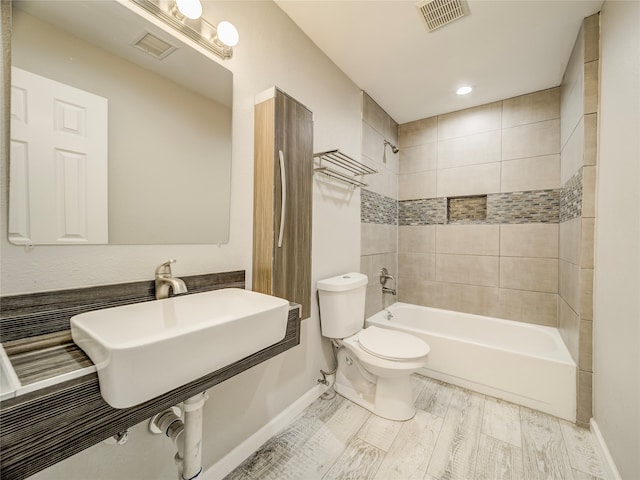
<point x="283" y="209"/>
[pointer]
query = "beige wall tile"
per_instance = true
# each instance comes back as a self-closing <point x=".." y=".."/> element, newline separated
<point x="470" y="121"/>
<point x="366" y="265"/>
<point x="474" y="299"/>
<point x="535" y="173"/>
<point x="530" y="307"/>
<point x="421" y="292"/>
<point x="534" y="107"/>
<point x="570" y="240"/>
<point x="568" y="285"/>
<point x="585" y="360"/>
<point x="417" y="266"/>
<point x="585" y="398"/>
<point x="468" y="239"/>
<point x="470" y="150"/>
<point x="591" y="26"/>
<point x="587" y="243"/>
<point x="471" y="180"/>
<point x="533" y="274"/>
<point x="419" y="158"/>
<point x="374" y="115"/>
<point x="384" y="182"/>
<point x="467" y="269"/>
<point x="569" y="327"/>
<point x="572" y="90"/>
<point x="589" y="191"/>
<point x="591" y="87"/>
<point x="381" y="121"/>
<point x="418" y="132"/>
<point x="571" y="158"/>
<point x="586" y="293"/>
<point x="529" y="240"/>
<point x="534" y="139"/>
<point x="417" y="185"/>
<point x="372" y="142"/>
<point x="590" y="156"/>
<point x="377" y="239"/>
<point x="417" y="239"/>
<point x="372" y="264"/>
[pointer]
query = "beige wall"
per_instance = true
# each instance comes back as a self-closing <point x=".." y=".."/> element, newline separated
<point x="500" y="269"/>
<point x="579" y="113"/>
<point x="617" y="254"/>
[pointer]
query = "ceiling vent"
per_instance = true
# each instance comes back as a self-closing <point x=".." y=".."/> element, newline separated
<point x="154" y="46"/>
<point x="438" y="13"/>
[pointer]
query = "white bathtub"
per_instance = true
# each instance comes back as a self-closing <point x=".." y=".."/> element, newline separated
<point x="519" y="362"/>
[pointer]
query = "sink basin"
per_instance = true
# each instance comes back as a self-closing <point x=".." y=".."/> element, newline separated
<point x="146" y="349"/>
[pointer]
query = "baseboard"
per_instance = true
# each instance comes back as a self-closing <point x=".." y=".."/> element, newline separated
<point x="239" y="454"/>
<point x="609" y="463"/>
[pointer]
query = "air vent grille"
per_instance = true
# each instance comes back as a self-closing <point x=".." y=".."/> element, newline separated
<point x="154" y="46"/>
<point x="438" y="13"/>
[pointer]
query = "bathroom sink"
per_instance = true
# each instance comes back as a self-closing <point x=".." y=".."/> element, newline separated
<point x="146" y="349"/>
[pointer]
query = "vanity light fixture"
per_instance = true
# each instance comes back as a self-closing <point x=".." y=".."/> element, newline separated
<point x="185" y="17"/>
<point x="464" y="90"/>
<point x="189" y="8"/>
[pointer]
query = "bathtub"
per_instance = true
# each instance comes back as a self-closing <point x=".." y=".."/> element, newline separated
<point x="518" y="362"/>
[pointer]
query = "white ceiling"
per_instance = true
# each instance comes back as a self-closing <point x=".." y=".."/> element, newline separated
<point x="502" y="49"/>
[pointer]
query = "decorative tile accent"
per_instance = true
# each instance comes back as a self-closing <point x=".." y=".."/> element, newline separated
<point x="428" y="211"/>
<point x="571" y="197"/>
<point x="376" y="208"/>
<point x="467" y="209"/>
<point x="537" y="206"/>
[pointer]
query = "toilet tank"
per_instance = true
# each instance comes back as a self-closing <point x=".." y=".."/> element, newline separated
<point x="342" y="300"/>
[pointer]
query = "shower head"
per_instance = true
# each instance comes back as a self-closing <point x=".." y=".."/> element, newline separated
<point x="394" y="149"/>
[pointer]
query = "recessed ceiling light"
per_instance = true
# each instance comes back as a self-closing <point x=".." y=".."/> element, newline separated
<point x="464" y="90"/>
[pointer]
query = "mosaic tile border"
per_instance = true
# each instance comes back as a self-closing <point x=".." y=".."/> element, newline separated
<point x="535" y="206"/>
<point x="571" y="197"/>
<point x="377" y="208"/>
<point x="426" y="211"/>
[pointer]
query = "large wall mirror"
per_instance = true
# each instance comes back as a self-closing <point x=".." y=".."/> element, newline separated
<point x="159" y="172"/>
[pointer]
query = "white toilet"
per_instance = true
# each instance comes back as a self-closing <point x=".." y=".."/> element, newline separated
<point x="374" y="364"/>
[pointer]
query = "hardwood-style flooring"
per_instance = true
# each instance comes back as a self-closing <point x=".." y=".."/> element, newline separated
<point x="456" y="435"/>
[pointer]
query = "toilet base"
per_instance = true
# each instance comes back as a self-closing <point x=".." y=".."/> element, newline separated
<point x="390" y="398"/>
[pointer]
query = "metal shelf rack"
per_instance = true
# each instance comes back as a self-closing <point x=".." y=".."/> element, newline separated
<point x="348" y="169"/>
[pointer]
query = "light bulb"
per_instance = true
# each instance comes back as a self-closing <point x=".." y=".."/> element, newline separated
<point x="227" y="34"/>
<point x="464" y="90"/>
<point x="190" y="8"/>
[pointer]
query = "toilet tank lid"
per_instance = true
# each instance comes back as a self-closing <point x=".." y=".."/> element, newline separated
<point x="343" y="282"/>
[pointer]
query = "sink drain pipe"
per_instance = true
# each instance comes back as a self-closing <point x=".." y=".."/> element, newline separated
<point x="186" y="435"/>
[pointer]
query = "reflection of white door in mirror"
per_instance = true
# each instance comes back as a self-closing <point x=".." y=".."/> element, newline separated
<point x="58" y="168"/>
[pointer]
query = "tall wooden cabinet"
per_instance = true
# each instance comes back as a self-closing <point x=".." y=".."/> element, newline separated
<point x="282" y="198"/>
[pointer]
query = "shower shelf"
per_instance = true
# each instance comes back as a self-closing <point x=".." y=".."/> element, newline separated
<point x="348" y="168"/>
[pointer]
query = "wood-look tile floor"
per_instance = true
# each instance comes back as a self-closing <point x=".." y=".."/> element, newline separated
<point x="456" y="435"/>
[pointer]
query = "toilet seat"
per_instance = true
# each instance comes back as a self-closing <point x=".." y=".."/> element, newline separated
<point x="392" y="344"/>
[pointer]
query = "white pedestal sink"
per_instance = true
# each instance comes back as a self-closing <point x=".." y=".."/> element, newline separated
<point x="146" y="349"/>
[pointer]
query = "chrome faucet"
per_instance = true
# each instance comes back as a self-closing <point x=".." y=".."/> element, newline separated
<point x="165" y="281"/>
<point x="384" y="277"/>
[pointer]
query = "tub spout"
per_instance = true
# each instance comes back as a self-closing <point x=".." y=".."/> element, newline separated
<point x="388" y="290"/>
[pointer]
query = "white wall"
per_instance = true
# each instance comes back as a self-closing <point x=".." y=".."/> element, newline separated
<point x="617" y="267"/>
<point x="272" y="51"/>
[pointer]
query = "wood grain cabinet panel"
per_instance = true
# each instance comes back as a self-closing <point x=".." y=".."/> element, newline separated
<point x="283" y="157"/>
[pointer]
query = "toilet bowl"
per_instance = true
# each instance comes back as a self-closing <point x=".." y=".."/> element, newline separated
<point x="376" y="380"/>
<point x="374" y="364"/>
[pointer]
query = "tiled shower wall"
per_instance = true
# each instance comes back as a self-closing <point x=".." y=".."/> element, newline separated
<point x="379" y="211"/>
<point x="502" y="262"/>
<point x="579" y="118"/>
